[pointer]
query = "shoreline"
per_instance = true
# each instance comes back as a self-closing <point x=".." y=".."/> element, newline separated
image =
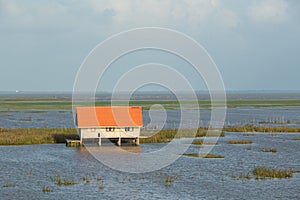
<point x="29" y="136"/>
<point x="50" y="104"/>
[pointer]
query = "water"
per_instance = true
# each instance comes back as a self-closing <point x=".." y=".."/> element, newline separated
<point x="235" y="116"/>
<point x="31" y="167"/>
<point x="34" y="166"/>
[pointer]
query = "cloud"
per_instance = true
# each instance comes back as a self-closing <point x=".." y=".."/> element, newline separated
<point x="269" y="11"/>
<point x="115" y="14"/>
<point x="192" y="13"/>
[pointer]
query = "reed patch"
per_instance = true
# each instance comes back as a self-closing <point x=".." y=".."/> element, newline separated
<point x="203" y="155"/>
<point x="239" y="142"/>
<point x="272" y="150"/>
<point x="269" y="172"/>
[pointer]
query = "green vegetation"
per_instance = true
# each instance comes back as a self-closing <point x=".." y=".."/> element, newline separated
<point x="50" y="103"/>
<point x="203" y="155"/>
<point x="239" y="142"/>
<point x="252" y="128"/>
<point x="297" y="138"/>
<point x="100" y="187"/>
<point x="142" y="177"/>
<point x="197" y="142"/>
<point x="169" y="180"/>
<point x="267" y="172"/>
<point x="86" y="179"/>
<point x="59" y="181"/>
<point x="273" y="150"/>
<point x="164" y="136"/>
<point x="8" y="185"/>
<point x="23" y="136"/>
<point x="46" y="189"/>
<point x="242" y="176"/>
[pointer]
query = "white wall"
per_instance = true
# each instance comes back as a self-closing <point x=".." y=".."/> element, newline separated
<point x="118" y="132"/>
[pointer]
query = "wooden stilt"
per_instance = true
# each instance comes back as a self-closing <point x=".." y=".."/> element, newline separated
<point x="99" y="141"/>
<point x="137" y="141"/>
<point x="119" y="142"/>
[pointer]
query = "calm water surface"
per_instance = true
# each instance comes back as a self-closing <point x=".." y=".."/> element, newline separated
<point x="235" y="116"/>
<point x="31" y="167"/>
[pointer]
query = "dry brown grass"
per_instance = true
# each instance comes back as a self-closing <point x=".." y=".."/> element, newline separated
<point x="23" y="136"/>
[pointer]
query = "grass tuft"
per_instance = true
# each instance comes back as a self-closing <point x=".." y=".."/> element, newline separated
<point x="46" y="189"/>
<point x="242" y="176"/>
<point x="8" y="185"/>
<point x="86" y="179"/>
<point x="273" y="150"/>
<point x="203" y="155"/>
<point x="197" y="142"/>
<point x="100" y="187"/>
<point x="63" y="182"/>
<point x="239" y="142"/>
<point x="169" y="180"/>
<point x="270" y="129"/>
<point x="268" y="172"/>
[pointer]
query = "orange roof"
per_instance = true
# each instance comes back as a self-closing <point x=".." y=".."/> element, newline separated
<point x="121" y="116"/>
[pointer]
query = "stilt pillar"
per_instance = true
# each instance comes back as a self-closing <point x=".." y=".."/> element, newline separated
<point x="119" y="142"/>
<point x="137" y="141"/>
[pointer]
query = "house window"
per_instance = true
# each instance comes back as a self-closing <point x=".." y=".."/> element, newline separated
<point x="99" y="135"/>
<point x="128" y="129"/>
<point x="110" y="129"/>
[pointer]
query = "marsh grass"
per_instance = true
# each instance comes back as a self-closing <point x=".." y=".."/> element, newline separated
<point x="169" y="180"/>
<point x="100" y="187"/>
<point x="164" y="136"/>
<point x="142" y="177"/>
<point x="6" y="185"/>
<point x="272" y="150"/>
<point x="63" y="182"/>
<point x="57" y="103"/>
<point x="239" y="142"/>
<point x="202" y="155"/>
<point x="268" y="172"/>
<point x="242" y="176"/>
<point x="46" y="189"/>
<point x="197" y="142"/>
<point x="297" y="138"/>
<point x="253" y="128"/>
<point x="86" y="179"/>
<point x="23" y="136"/>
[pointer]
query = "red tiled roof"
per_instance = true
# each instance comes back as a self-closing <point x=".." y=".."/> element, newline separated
<point x="121" y="116"/>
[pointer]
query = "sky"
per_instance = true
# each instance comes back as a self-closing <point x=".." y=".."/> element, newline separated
<point x="254" y="43"/>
